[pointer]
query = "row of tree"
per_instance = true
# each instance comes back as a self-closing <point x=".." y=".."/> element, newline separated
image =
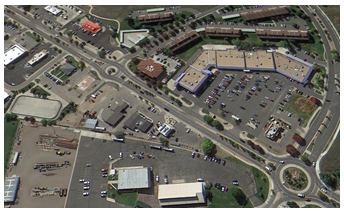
<point x="256" y="147"/>
<point x="217" y="124"/>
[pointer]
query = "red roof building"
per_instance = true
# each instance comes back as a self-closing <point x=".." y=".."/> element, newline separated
<point x="150" y="68"/>
<point x="91" y="27"/>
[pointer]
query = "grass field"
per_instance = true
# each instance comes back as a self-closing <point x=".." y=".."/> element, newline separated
<point x="225" y="200"/>
<point x="192" y="47"/>
<point x="10" y="128"/>
<point x="128" y="199"/>
<point x="311" y="206"/>
<point x="260" y="178"/>
<point x="291" y="107"/>
<point x="316" y="46"/>
<point x="74" y="62"/>
<point x="262" y="184"/>
<point x="333" y="12"/>
<point x="331" y="160"/>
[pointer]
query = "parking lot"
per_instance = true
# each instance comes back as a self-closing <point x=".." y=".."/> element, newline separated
<point x="30" y="177"/>
<point x="21" y="69"/>
<point x="165" y="163"/>
<point x="170" y="62"/>
<point x="252" y="97"/>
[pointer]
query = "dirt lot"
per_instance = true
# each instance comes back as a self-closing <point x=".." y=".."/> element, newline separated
<point x="331" y="161"/>
<point x="30" y="178"/>
<point x="76" y="119"/>
<point x="333" y="12"/>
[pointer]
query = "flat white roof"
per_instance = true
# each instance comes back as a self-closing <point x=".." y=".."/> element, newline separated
<point x="13" y="53"/>
<point x="6" y="95"/>
<point x="54" y="10"/>
<point x="132" y="178"/>
<point x="183" y="190"/>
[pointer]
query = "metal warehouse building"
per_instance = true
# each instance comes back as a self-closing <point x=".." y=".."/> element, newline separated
<point x="180" y="194"/>
<point x="133" y="178"/>
<point x="10" y="189"/>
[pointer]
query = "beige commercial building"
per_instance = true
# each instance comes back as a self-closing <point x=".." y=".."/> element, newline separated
<point x="181" y="194"/>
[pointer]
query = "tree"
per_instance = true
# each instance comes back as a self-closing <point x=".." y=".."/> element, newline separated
<point x="239" y="195"/>
<point x="259" y="149"/>
<point x="32" y="120"/>
<point x="101" y="53"/>
<point x="236" y="42"/>
<point x="179" y="103"/>
<point x="26" y="8"/>
<point x="291" y="150"/>
<point x="163" y="141"/>
<point x="44" y="122"/>
<point x="217" y="124"/>
<point x="81" y="64"/>
<point x="328" y="179"/>
<point x="296" y="26"/>
<point x="207" y="146"/>
<point x="298" y="139"/>
<point x="119" y="134"/>
<point x="304" y="158"/>
<point x="284" y="44"/>
<point x="208" y="119"/>
<point x="335" y="55"/>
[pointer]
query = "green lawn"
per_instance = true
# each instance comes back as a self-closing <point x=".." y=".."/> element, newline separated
<point x="262" y="184"/>
<point x="9" y="136"/>
<point x="27" y="88"/>
<point x="331" y="160"/>
<point x="291" y="107"/>
<point x="74" y="62"/>
<point x="225" y="200"/>
<point x="60" y="74"/>
<point x="260" y="178"/>
<point x="128" y="198"/>
<point x="193" y="47"/>
<point x="64" y="77"/>
<point x="251" y="37"/>
<point x="333" y="12"/>
<point x="42" y="91"/>
<point x="311" y="206"/>
<point x="56" y="71"/>
<point x="200" y="8"/>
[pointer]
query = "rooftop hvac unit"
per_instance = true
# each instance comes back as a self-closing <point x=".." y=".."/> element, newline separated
<point x="269" y="57"/>
<point x="303" y="74"/>
<point x="301" y="66"/>
<point x="231" y="56"/>
<point x="185" y="80"/>
<point x="220" y="55"/>
<point x="257" y="57"/>
<point x="188" y="74"/>
<point x="248" y="57"/>
<point x="296" y="74"/>
<point x="301" y="70"/>
<point x="226" y="56"/>
<point x="196" y="81"/>
<point x="256" y="65"/>
<point x="191" y="84"/>
<point x="194" y="73"/>
<point x="236" y="56"/>
<point x="199" y="63"/>
<point x="261" y="63"/>
<point x="288" y="60"/>
<point x="279" y="65"/>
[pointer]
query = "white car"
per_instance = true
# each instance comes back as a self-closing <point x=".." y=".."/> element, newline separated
<point x="289" y="115"/>
<point x="121" y="154"/>
<point x="105" y="175"/>
<point x="103" y="192"/>
<point x="206" y="157"/>
<point x="235" y="182"/>
<point x="157" y="178"/>
<point x="281" y="161"/>
<point x="132" y="157"/>
<point x="166" y="180"/>
<point x="81" y="180"/>
<point x="200" y="180"/>
<point x="86" y="194"/>
<point x="188" y="130"/>
<point x="314" y="164"/>
<point x="86" y="187"/>
<point x="110" y="156"/>
<point x="86" y="182"/>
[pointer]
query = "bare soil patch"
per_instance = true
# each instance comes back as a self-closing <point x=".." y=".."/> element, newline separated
<point x="305" y="105"/>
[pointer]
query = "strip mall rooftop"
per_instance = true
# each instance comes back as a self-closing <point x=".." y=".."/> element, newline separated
<point x="233" y="59"/>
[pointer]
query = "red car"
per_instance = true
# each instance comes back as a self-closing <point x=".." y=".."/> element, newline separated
<point x="255" y="93"/>
<point x="104" y="170"/>
<point x="304" y="59"/>
<point x="268" y="172"/>
<point x="226" y="189"/>
<point x="271" y="100"/>
<point x="307" y="199"/>
<point x="331" y="62"/>
<point x="327" y="100"/>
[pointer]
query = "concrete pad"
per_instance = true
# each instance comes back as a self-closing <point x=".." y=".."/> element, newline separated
<point x="37" y="107"/>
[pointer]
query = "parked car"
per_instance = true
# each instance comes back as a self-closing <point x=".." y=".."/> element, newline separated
<point x="157" y="178"/>
<point x="235" y="182"/>
<point x="200" y="180"/>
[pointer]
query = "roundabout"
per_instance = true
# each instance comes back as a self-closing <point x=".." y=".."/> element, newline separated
<point x="295" y="173"/>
